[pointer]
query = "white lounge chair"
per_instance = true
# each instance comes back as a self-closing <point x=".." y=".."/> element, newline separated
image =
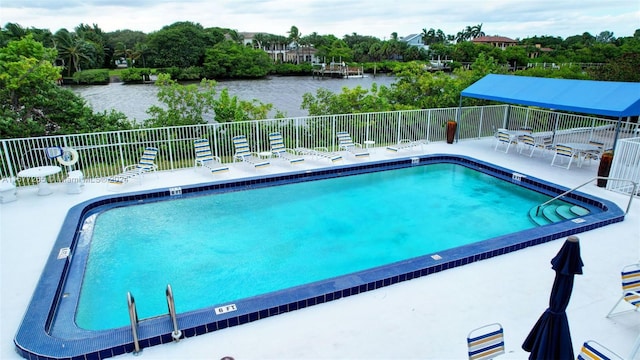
<point x="245" y="155"/>
<point x="630" y="276"/>
<point x="485" y="342"/>
<point x="145" y="165"/>
<point x="346" y="143"/>
<point x="506" y="139"/>
<point x="592" y="350"/>
<point x="206" y="159"/>
<point x="280" y="151"/>
<point x="407" y="144"/>
<point x="563" y="152"/>
<point x="320" y="152"/>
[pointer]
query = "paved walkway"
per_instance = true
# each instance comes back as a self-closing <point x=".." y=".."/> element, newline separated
<point x="425" y="318"/>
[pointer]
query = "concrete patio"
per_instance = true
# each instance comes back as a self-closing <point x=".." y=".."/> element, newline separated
<point x="425" y="318"/>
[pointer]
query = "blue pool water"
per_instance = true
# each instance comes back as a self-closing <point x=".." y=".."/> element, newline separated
<point x="247" y="243"/>
<point x="406" y="232"/>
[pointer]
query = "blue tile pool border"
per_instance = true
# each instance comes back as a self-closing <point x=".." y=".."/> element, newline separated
<point x="36" y="340"/>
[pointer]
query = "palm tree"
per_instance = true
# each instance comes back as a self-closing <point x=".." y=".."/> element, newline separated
<point x="139" y="52"/>
<point x="72" y="49"/>
<point x="294" y="37"/>
<point x="475" y="31"/>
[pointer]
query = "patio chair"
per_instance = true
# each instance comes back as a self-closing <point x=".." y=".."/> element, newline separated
<point x="346" y="143"/>
<point x="407" y="144"/>
<point x="592" y="350"/>
<point x="8" y="190"/>
<point x="504" y="138"/>
<point x="280" y="151"/>
<point x="563" y="152"/>
<point x="74" y="183"/>
<point x="145" y="165"/>
<point x="245" y="155"/>
<point x="486" y="342"/>
<point x="206" y="159"/>
<point x="595" y="154"/>
<point x="630" y="276"/>
<point x="320" y="152"/>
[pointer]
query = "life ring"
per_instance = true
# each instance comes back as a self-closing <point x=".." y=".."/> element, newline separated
<point x="69" y="156"/>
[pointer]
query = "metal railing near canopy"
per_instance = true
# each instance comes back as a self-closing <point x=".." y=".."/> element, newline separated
<point x="106" y="153"/>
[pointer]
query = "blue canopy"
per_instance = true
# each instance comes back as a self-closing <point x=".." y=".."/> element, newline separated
<point x="607" y="98"/>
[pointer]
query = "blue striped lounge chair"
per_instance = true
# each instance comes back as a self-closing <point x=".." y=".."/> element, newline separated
<point x="563" y="152"/>
<point x="346" y="143"/>
<point x="592" y="350"/>
<point x="206" y="159"/>
<point x="145" y="165"/>
<point x="486" y="342"/>
<point x="407" y="144"/>
<point x="280" y="151"/>
<point x="630" y="276"/>
<point x="244" y="154"/>
<point x="504" y="138"/>
<point x="320" y="152"/>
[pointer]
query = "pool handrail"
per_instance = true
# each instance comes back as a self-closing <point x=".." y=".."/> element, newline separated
<point x="635" y="190"/>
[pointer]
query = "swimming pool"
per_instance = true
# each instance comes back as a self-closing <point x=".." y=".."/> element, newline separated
<point x="41" y="336"/>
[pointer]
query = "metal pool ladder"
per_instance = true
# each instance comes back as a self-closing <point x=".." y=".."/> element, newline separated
<point x="176" y="334"/>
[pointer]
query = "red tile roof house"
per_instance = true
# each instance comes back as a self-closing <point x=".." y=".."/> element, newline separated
<point x="497" y="41"/>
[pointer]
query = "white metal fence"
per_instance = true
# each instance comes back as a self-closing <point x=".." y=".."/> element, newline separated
<point x="625" y="165"/>
<point x="105" y="154"/>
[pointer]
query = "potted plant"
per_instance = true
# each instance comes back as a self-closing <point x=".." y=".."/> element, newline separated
<point x="451" y="131"/>
<point x="605" y="167"/>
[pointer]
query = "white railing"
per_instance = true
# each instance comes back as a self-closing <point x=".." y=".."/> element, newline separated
<point x="104" y="154"/>
<point x="625" y="165"/>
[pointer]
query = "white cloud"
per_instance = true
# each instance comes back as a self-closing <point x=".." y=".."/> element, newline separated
<point x="515" y="19"/>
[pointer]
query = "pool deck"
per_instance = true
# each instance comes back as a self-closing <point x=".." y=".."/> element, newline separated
<point x="426" y="318"/>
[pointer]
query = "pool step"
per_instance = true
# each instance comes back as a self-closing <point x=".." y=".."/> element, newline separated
<point x="553" y="213"/>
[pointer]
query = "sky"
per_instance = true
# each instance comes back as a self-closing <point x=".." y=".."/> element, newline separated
<point x="516" y="19"/>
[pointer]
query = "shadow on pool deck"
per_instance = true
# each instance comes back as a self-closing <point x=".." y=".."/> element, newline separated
<point x="427" y="317"/>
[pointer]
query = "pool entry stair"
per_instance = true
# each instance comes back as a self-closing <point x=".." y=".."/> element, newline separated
<point x="552" y="213"/>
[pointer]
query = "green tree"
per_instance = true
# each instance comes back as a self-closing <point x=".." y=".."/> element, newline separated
<point x="31" y="102"/>
<point x="73" y="50"/>
<point x="184" y="104"/>
<point x="294" y="38"/>
<point x="349" y="101"/>
<point x="181" y="44"/>
<point x="197" y="104"/>
<point x="230" y="60"/>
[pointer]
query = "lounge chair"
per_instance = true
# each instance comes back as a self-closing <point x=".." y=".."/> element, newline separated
<point x="280" y="151"/>
<point x="320" y="152"/>
<point x="563" y="152"/>
<point x="206" y="159"/>
<point x="594" y="154"/>
<point x="245" y="155"/>
<point x="407" y="144"/>
<point x="486" y="342"/>
<point x="592" y="350"/>
<point x="535" y="142"/>
<point x="630" y="276"/>
<point x="145" y="165"/>
<point x="346" y="143"/>
<point x="506" y="139"/>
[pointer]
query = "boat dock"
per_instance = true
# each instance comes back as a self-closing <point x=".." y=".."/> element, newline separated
<point x="337" y="70"/>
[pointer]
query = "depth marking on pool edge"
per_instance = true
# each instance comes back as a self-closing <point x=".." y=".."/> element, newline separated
<point x="63" y="253"/>
<point x="225" y="309"/>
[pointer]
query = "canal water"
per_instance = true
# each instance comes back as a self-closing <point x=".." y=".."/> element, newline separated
<point x="285" y="93"/>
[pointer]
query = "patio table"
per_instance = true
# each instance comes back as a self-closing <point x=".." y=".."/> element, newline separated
<point x="41" y="172"/>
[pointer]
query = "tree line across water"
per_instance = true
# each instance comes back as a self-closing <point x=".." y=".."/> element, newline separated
<point x="32" y="61"/>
